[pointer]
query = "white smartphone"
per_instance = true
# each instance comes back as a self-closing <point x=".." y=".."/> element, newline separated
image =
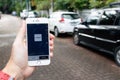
<point x="37" y="41"/>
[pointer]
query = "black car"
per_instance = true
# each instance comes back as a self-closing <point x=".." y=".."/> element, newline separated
<point x="101" y="30"/>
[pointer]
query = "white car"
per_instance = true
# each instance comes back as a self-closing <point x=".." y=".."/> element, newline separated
<point x="25" y="14"/>
<point x="63" y="22"/>
<point x="32" y="14"/>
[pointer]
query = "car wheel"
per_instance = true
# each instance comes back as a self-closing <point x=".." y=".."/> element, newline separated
<point x="117" y="56"/>
<point x="76" y="38"/>
<point x="56" y="32"/>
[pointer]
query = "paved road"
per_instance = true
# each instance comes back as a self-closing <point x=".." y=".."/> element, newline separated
<point x="9" y="27"/>
<point x="70" y="62"/>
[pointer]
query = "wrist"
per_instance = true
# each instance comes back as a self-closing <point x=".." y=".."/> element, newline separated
<point x="14" y="71"/>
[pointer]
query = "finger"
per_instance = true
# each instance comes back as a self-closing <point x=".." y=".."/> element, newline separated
<point x="51" y="43"/>
<point x="51" y="54"/>
<point x="21" y="33"/>
<point x="51" y="36"/>
<point x="51" y="48"/>
<point x="51" y="51"/>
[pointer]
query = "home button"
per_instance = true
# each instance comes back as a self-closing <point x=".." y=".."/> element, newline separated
<point x="38" y="62"/>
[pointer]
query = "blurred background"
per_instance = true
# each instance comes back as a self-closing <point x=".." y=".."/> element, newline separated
<point x="46" y="7"/>
<point x="71" y="61"/>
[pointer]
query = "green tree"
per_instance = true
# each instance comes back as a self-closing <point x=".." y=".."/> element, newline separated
<point x="81" y="4"/>
<point x="110" y="1"/>
<point x="19" y="5"/>
<point x="42" y="4"/>
<point x="100" y="3"/>
<point x="64" y="5"/>
<point x="5" y="6"/>
<point x="71" y="5"/>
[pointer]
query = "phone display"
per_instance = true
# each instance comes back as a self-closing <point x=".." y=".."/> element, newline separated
<point x="38" y="43"/>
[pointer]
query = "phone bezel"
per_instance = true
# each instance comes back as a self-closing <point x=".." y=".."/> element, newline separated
<point x="38" y="21"/>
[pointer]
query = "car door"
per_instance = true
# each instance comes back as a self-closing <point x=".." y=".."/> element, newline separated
<point x="106" y="31"/>
<point x="87" y="33"/>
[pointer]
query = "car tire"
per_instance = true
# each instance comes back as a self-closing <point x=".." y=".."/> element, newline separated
<point x="117" y="56"/>
<point x="76" y="39"/>
<point x="56" y="32"/>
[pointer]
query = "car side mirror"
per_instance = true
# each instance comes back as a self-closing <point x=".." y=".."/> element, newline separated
<point x="86" y="24"/>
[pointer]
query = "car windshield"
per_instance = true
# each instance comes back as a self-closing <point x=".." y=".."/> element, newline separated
<point x="70" y="16"/>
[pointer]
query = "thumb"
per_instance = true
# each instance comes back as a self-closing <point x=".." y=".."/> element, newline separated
<point x="21" y="33"/>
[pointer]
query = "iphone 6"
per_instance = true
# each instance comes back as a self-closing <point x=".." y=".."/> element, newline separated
<point x="37" y="34"/>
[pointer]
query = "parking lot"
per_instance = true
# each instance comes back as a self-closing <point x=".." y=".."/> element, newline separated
<point x="70" y="62"/>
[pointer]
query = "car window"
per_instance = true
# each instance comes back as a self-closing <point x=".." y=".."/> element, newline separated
<point x="108" y="17"/>
<point x="117" y="20"/>
<point x="93" y="18"/>
<point x="70" y="16"/>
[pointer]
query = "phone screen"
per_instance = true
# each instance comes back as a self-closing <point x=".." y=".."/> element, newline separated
<point x="37" y="41"/>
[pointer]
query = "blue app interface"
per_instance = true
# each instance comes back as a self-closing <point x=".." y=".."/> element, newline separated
<point x="38" y="42"/>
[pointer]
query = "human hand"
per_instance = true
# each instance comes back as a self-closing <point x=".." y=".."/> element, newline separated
<point x="17" y="65"/>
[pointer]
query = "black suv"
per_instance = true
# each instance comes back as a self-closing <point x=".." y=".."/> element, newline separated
<point x="101" y="30"/>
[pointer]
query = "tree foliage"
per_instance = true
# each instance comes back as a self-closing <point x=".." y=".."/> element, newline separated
<point x="72" y="5"/>
<point x="7" y="6"/>
<point x="81" y="4"/>
<point x="42" y="4"/>
<point x="100" y="3"/>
